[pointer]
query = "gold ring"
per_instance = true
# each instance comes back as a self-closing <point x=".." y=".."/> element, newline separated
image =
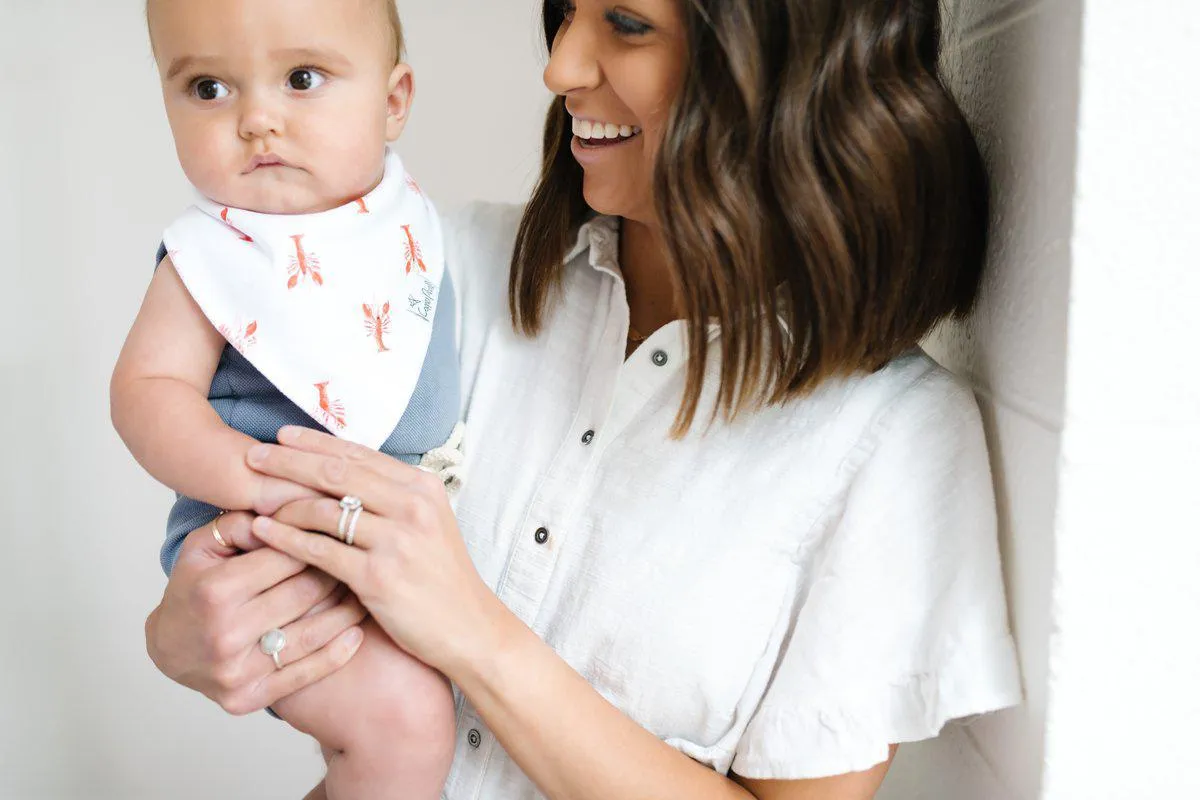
<point x="217" y="533"/>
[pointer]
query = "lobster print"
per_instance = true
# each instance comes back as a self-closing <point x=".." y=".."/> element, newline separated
<point x="362" y="205"/>
<point x="378" y="323"/>
<point x="331" y="412"/>
<point x="234" y="228"/>
<point x="303" y="265"/>
<point x="412" y="252"/>
<point x="241" y="339"/>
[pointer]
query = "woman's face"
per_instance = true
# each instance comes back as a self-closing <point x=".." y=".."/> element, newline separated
<point x="620" y="67"/>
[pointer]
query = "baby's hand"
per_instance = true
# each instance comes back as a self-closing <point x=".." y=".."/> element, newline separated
<point x="272" y="494"/>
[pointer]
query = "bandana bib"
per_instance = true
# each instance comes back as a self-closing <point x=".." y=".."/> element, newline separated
<point x="334" y="308"/>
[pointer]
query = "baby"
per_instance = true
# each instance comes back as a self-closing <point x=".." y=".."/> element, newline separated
<point x="305" y="287"/>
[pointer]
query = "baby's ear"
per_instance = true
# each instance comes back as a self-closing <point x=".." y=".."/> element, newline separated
<point x="401" y="90"/>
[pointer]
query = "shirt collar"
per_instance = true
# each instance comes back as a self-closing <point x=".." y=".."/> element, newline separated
<point x="600" y="236"/>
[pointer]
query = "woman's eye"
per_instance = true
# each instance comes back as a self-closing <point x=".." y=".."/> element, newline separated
<point x="304" y="79"/>
<point x="626" y="26"/>
<point x="208" y="89"/>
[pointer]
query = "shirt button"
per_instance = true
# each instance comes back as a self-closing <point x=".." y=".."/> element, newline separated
<point x="660" y="358"/>
<point x="473" y="738"/>
<point x="541" y="535"/>
<point x="587" y="437"/>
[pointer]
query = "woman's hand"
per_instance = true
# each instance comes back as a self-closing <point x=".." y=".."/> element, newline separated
<point x="408" y="565"/>
<point x="204" y="634"/>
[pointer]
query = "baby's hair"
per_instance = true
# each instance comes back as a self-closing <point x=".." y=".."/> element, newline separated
<point x="397" y="28"/>
<point x="393" y="15"/>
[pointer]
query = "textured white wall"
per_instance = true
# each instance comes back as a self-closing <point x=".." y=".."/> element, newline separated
<point x="1125" y="663"/>
<point x="88" y="179"/>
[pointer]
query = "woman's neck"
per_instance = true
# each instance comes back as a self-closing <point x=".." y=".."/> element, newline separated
<point x="648" y="286"/>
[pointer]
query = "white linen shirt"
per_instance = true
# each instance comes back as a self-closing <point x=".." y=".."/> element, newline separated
<point x="784" y="596"/>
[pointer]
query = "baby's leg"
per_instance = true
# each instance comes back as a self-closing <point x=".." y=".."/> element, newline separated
<point x="385" y="722"/>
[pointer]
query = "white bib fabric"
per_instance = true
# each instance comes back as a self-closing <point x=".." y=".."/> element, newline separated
<point x="334" y="308"/>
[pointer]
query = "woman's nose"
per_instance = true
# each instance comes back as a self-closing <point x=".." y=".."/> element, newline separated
<point x="260" y="117"/>
<point x="574" y="63"/>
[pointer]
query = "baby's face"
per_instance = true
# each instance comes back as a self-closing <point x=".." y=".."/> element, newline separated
<point x="280" y="106"/>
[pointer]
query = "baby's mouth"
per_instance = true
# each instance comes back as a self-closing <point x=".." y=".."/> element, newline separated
<point x="264" y="161"/>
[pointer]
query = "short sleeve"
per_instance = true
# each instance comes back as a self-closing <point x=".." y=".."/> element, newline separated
<point x="902" y="625"/>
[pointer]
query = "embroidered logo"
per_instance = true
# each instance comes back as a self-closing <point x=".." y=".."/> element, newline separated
<point x="330" y="411"/>
<point x="414" y="187"/>
<point x="303" y="265"/>
<point x="422" y="304"/>
<point x="232" y="227"/>
<point x="378" y="323"/>
<point x="362" y="205"/>
<point x="412" y="252"/>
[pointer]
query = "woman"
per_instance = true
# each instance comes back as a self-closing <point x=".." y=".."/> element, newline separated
<point x="726" y="531"/>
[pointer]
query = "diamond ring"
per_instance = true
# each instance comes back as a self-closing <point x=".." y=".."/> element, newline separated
<point x="350" y="505"/>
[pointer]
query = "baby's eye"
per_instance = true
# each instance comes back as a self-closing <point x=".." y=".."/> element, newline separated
<point x="304" y="79"/>
<point x="208" y="89"/>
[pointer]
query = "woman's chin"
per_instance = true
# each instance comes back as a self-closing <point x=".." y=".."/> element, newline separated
<point x="609" y="200"/>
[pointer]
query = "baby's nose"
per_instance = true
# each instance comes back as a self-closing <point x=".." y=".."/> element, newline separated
<point x="259" y="118"/>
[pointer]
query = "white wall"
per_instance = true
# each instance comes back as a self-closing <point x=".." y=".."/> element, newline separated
<point x="1125" y="660"/>
<point x="88" y="179"/>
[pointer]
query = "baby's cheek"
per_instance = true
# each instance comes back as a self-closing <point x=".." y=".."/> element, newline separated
<point x="205" y="163"/>
<point x="354" y="159"/>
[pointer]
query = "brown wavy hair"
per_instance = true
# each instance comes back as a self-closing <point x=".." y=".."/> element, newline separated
<point x="816" y="178"/>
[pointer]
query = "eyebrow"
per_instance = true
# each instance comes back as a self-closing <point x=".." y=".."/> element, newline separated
<point x="296" y="54"/>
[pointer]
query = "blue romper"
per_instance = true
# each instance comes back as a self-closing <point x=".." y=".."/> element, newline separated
<point x="248" y="402"/>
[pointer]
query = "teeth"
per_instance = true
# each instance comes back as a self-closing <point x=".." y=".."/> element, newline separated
<point x="587" y="129"/>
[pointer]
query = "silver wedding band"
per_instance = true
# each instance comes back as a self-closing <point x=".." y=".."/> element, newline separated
<point x="272" y="643"/>
<point x="351" y="510"/>
<point x="217" y="533"/>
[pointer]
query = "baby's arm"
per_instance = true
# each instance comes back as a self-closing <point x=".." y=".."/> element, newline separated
<point x="159" y="399"/>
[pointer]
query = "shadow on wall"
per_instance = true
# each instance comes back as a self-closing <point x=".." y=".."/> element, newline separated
<point x="1014" y="68"/>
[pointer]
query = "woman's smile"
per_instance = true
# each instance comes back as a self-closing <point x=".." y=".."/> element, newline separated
<point x="594" y="139"/>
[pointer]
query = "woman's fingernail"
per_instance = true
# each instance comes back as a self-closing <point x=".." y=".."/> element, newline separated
<point x="353" y="639"/>
<point x="289" y="434"/>
<point x="261" y="524"/>
<point x="258" y="453"/>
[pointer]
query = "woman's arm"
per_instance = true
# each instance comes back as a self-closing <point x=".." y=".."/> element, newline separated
<point x="410" y="568"/>
<point x="159" y="400"/>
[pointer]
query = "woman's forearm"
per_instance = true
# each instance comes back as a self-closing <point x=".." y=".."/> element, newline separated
<point x="564" y="735"/>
